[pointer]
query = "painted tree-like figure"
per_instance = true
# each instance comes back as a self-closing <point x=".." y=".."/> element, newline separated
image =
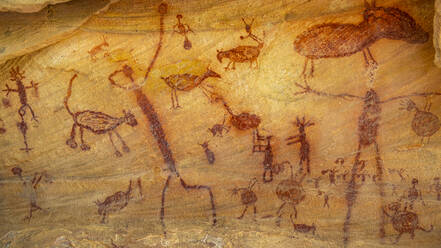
<point x="404" y="221"/>
<point x="18" y="77"/>
<point x="247" y="197"/>
<point x="30" y="187"/>
<point x="334" y="40"/>
<point x="156" y="127"/>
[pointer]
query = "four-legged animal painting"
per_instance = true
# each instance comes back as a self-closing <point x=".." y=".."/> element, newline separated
<point x="97" y="123"/>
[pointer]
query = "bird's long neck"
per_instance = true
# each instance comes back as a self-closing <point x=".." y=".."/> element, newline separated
<point x="201" y="78"/>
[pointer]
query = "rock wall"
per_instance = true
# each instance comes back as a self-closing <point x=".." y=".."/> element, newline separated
<point x="221" y="124"/>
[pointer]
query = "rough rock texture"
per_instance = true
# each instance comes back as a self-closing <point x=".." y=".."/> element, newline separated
<point x="355" y="120"/>
<point x="24" y="33"/>
<point x="437" y="33"/>
<point x="26" y="6"/>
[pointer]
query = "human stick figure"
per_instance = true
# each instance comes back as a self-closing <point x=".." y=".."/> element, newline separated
<point x="18" y="77"/>
<point x="30" y="187"/>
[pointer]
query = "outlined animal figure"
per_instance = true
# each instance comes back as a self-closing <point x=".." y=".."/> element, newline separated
<point x="243" y="121"/>
<point x="242" y="54"/>
<point x="97" y="123"/>
<point x="247" y="197"/>
<point x="304" y="152"/>
<point x="187" y="82"/>
<point x="208" y="153"/>
<point x="404" y="221"/>
<point x="97" y="49"/>
<point x="183" y="29"/>
<point x="303" y="228"/>
<point x="269" y="166"/>
<point x="117" y="201"/>
<point x="218" y="129"/>
<point x="18" y="77"/>
<point x="291" y="192"/>
<point x="333" y="40"/>
<point x="424" y="123"/>
<point x="30" y="188"/>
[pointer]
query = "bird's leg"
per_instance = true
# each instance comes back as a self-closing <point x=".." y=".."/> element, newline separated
<point x="175" y="95"/>
<point x="117" y="153"/>
<point x="371" y="65"/>
<point x="124" y="145"/>
<point x="172" y="99"/>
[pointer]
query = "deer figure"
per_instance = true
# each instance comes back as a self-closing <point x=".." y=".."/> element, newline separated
<point x="304" y="144"/>
<point x="96" y="122"/>
<point x="98" y="48"/>
<point x="116" y="202"/>
<point x="333" y="40"/>
<point x="187" y="82"/>
<point x="218" y="129"/>
<point x="242" y="54"/>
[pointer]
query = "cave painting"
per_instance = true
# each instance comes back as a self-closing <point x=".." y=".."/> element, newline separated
<point x="183" y="29"/>
<point x="30" y="188"/>
<point x="338" y="40"/>
<point x="116" y="202"/>
<point x="424" y="123"/>
<point x="187" y="82"/>
<point x="333" y="40"/>
<point x="156" y="128"/>
<point x="247" y="197"/>
<point x="404" y="221"/>
<point x="18" y="77"/>
<point x="242" y="54"/>
<point x="97" y="123"/>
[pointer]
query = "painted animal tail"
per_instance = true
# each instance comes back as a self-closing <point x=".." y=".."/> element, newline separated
<point x="68" y="94"/>
<point x="422" y="229"/>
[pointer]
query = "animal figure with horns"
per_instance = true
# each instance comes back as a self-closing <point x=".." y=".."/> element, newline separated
<point x="334" y="40"/>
